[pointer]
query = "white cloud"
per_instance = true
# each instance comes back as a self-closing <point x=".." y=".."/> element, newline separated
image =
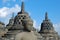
<point x="3" y="11"/>
<point x="57" y="28"/>
<point x="35" y="25"/>
<point x="6" y="11"/>
<point x="15" y="9"/>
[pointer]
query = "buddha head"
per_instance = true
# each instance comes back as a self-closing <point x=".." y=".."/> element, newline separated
<point x="28" y="26"/>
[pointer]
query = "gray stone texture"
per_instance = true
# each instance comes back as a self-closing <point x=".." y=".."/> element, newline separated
<point x="21" y="27"/>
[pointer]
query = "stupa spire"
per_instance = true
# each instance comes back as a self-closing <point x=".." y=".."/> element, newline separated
<point x="12" y="16"/>
<point x="46" y="16"/>
<point x="22" y="7"/>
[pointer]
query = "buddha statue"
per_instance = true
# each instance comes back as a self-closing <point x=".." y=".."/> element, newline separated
<point x="28" y="34"/>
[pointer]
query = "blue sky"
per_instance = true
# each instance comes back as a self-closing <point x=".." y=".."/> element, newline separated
<point x="35" y="8"/>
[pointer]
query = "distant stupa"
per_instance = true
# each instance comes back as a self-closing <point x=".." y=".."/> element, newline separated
<point x="47" y="29"/>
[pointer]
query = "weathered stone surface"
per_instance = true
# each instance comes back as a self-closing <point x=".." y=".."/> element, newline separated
<point x="21" y="27"/>
<point x="20" y="23"/>
<point x="47" y="30"/>
<point x="26" y="36"/>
